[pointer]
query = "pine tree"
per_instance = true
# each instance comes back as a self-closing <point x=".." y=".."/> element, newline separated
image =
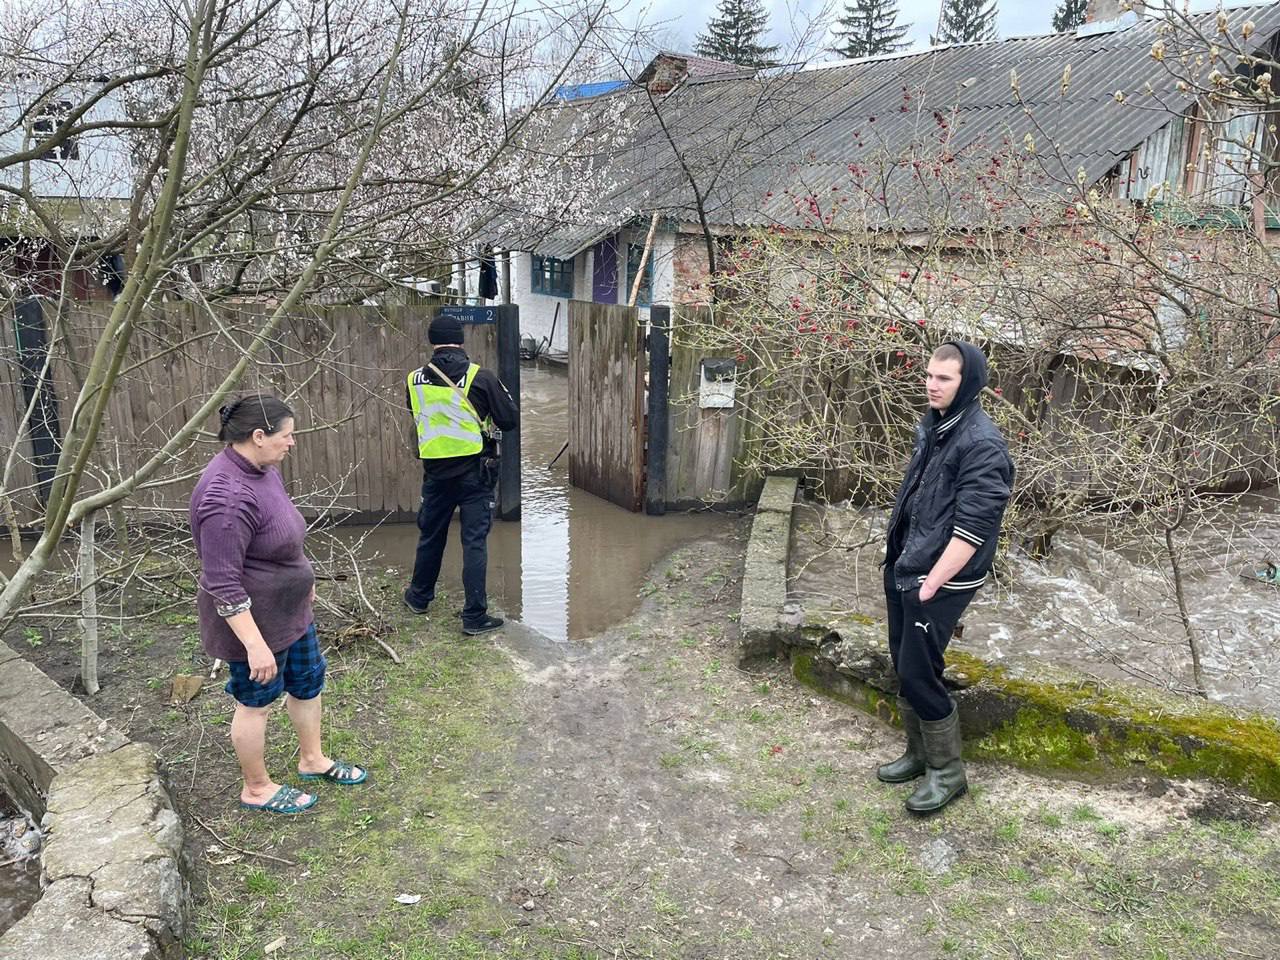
<point x="964" y="21"/>
<point x="870" y="27"/>
<point x="734" y="36"/>
<point x="1069" y="15"/>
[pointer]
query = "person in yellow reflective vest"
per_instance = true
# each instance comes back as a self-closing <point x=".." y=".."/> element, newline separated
<point x="455" y="407"/>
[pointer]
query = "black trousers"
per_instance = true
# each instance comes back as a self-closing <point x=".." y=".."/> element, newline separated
<point x="918" y="638"/>
<point x="470" y="494"/>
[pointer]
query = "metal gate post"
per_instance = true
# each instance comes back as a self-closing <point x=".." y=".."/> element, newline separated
<point x="509" y="374"/>
<point x="655" y="491"/>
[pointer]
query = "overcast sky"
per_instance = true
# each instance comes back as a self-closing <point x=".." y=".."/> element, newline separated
<point x="682" y="20"/>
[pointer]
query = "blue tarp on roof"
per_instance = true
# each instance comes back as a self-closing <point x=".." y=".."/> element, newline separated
<point x="579" y="91"/>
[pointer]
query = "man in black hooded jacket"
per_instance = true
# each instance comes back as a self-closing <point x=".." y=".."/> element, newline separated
<point x="941" y="539"/>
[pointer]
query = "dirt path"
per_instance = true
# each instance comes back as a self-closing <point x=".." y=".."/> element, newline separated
<point x="688" y="809"/>
<point x="639" y="796"/>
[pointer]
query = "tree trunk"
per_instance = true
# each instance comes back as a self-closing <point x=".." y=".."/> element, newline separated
<point x="1193" y="642"/>
<point x="15" y="531"/>
<point x="1040" y="544"/>
<point x="120" y="525"/>
<point x="88" y="606"/>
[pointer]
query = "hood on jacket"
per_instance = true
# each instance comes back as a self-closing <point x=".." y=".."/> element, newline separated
<point x="973" y="377"/>
<point x="453" y="361"/>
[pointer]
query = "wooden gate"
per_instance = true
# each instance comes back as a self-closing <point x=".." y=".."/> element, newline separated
<point x="607" y="365"/>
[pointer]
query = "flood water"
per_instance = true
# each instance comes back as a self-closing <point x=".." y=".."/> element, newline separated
<point x="19" y="872"/>
<point x="1101" y="605"/>
<point x="572" y="565"/>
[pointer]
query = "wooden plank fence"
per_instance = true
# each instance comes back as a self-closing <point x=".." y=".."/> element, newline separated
<point x="709" y="450"/>
<point x="341" y="368"/>
<point x="703" y="445"/>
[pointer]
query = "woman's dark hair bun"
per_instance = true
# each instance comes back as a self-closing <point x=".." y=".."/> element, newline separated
<point x="259" y="411"/>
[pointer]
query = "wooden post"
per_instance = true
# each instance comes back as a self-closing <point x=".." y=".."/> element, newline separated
<point x="509" y="374"/>
<point x="655" y="494"/>
<point x="638" y="407"/>
<point x="88" y="605"/>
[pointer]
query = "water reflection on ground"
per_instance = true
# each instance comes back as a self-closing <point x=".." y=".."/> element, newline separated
<point x="572" y="565"/>
<point x="1103" y="606"/>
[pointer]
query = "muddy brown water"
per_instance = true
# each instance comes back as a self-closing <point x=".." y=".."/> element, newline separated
<point x="1100" y="604"/>
<point x="19" y="875"/>
<point x="572" y="565"/>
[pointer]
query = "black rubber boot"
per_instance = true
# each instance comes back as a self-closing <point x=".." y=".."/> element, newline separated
<point x="944" y="779"/>
<point x="912" y="763"/>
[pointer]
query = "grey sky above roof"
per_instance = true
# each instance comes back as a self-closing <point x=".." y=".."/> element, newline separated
<point x="683" y="20"/>
<point x="680" y="21"/>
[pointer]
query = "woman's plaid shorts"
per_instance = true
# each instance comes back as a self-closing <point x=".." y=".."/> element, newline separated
<point x="299" y="671"/>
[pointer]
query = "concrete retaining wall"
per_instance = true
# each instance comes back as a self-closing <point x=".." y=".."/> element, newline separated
<point x="43" y="730"/>
<point x="112" y="869"/>
<point x="764" y="576"/>
<point x="1034" y="714"/>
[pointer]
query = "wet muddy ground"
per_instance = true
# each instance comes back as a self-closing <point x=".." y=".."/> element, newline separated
<point x="1101" y="604"/>
<point x="635" y="794"/>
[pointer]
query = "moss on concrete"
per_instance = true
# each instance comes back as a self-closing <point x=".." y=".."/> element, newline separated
<point x="1058" y="721"/>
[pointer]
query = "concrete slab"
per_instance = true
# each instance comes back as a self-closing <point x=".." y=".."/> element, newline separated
<point x="764" y="576"/>
<point x="64" y="925"/>
<point x="43" y="730"/>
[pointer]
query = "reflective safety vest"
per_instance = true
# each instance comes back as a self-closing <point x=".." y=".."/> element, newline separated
<point x="448" y="425"/>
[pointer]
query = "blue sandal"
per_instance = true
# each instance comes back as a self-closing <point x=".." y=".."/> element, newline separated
<point x="285" y="801"/>
<point x="341" y="772"/>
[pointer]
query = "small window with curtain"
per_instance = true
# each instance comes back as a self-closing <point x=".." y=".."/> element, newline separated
<point x="552" y="277"/>
<point x="644" y="296"/>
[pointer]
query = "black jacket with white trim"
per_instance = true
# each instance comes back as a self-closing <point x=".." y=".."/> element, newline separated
<point x="957" y="484"/>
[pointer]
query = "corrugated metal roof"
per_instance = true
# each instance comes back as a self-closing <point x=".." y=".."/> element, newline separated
<point x="750" y="140"/>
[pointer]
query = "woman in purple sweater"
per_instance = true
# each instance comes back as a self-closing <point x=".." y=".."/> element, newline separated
<point x="255" y="596"/>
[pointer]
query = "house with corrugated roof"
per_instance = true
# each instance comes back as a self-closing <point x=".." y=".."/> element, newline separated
<point x="716" y="150"/>
<point x="79" y="181"/>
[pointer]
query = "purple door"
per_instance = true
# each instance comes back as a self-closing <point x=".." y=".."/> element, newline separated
<point x="604" y="273"/>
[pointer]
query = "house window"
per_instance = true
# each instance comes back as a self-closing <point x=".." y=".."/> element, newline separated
<point x="552" y="277"/>
<point x="46" y="123"/>
<point x="645" y="294"/>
